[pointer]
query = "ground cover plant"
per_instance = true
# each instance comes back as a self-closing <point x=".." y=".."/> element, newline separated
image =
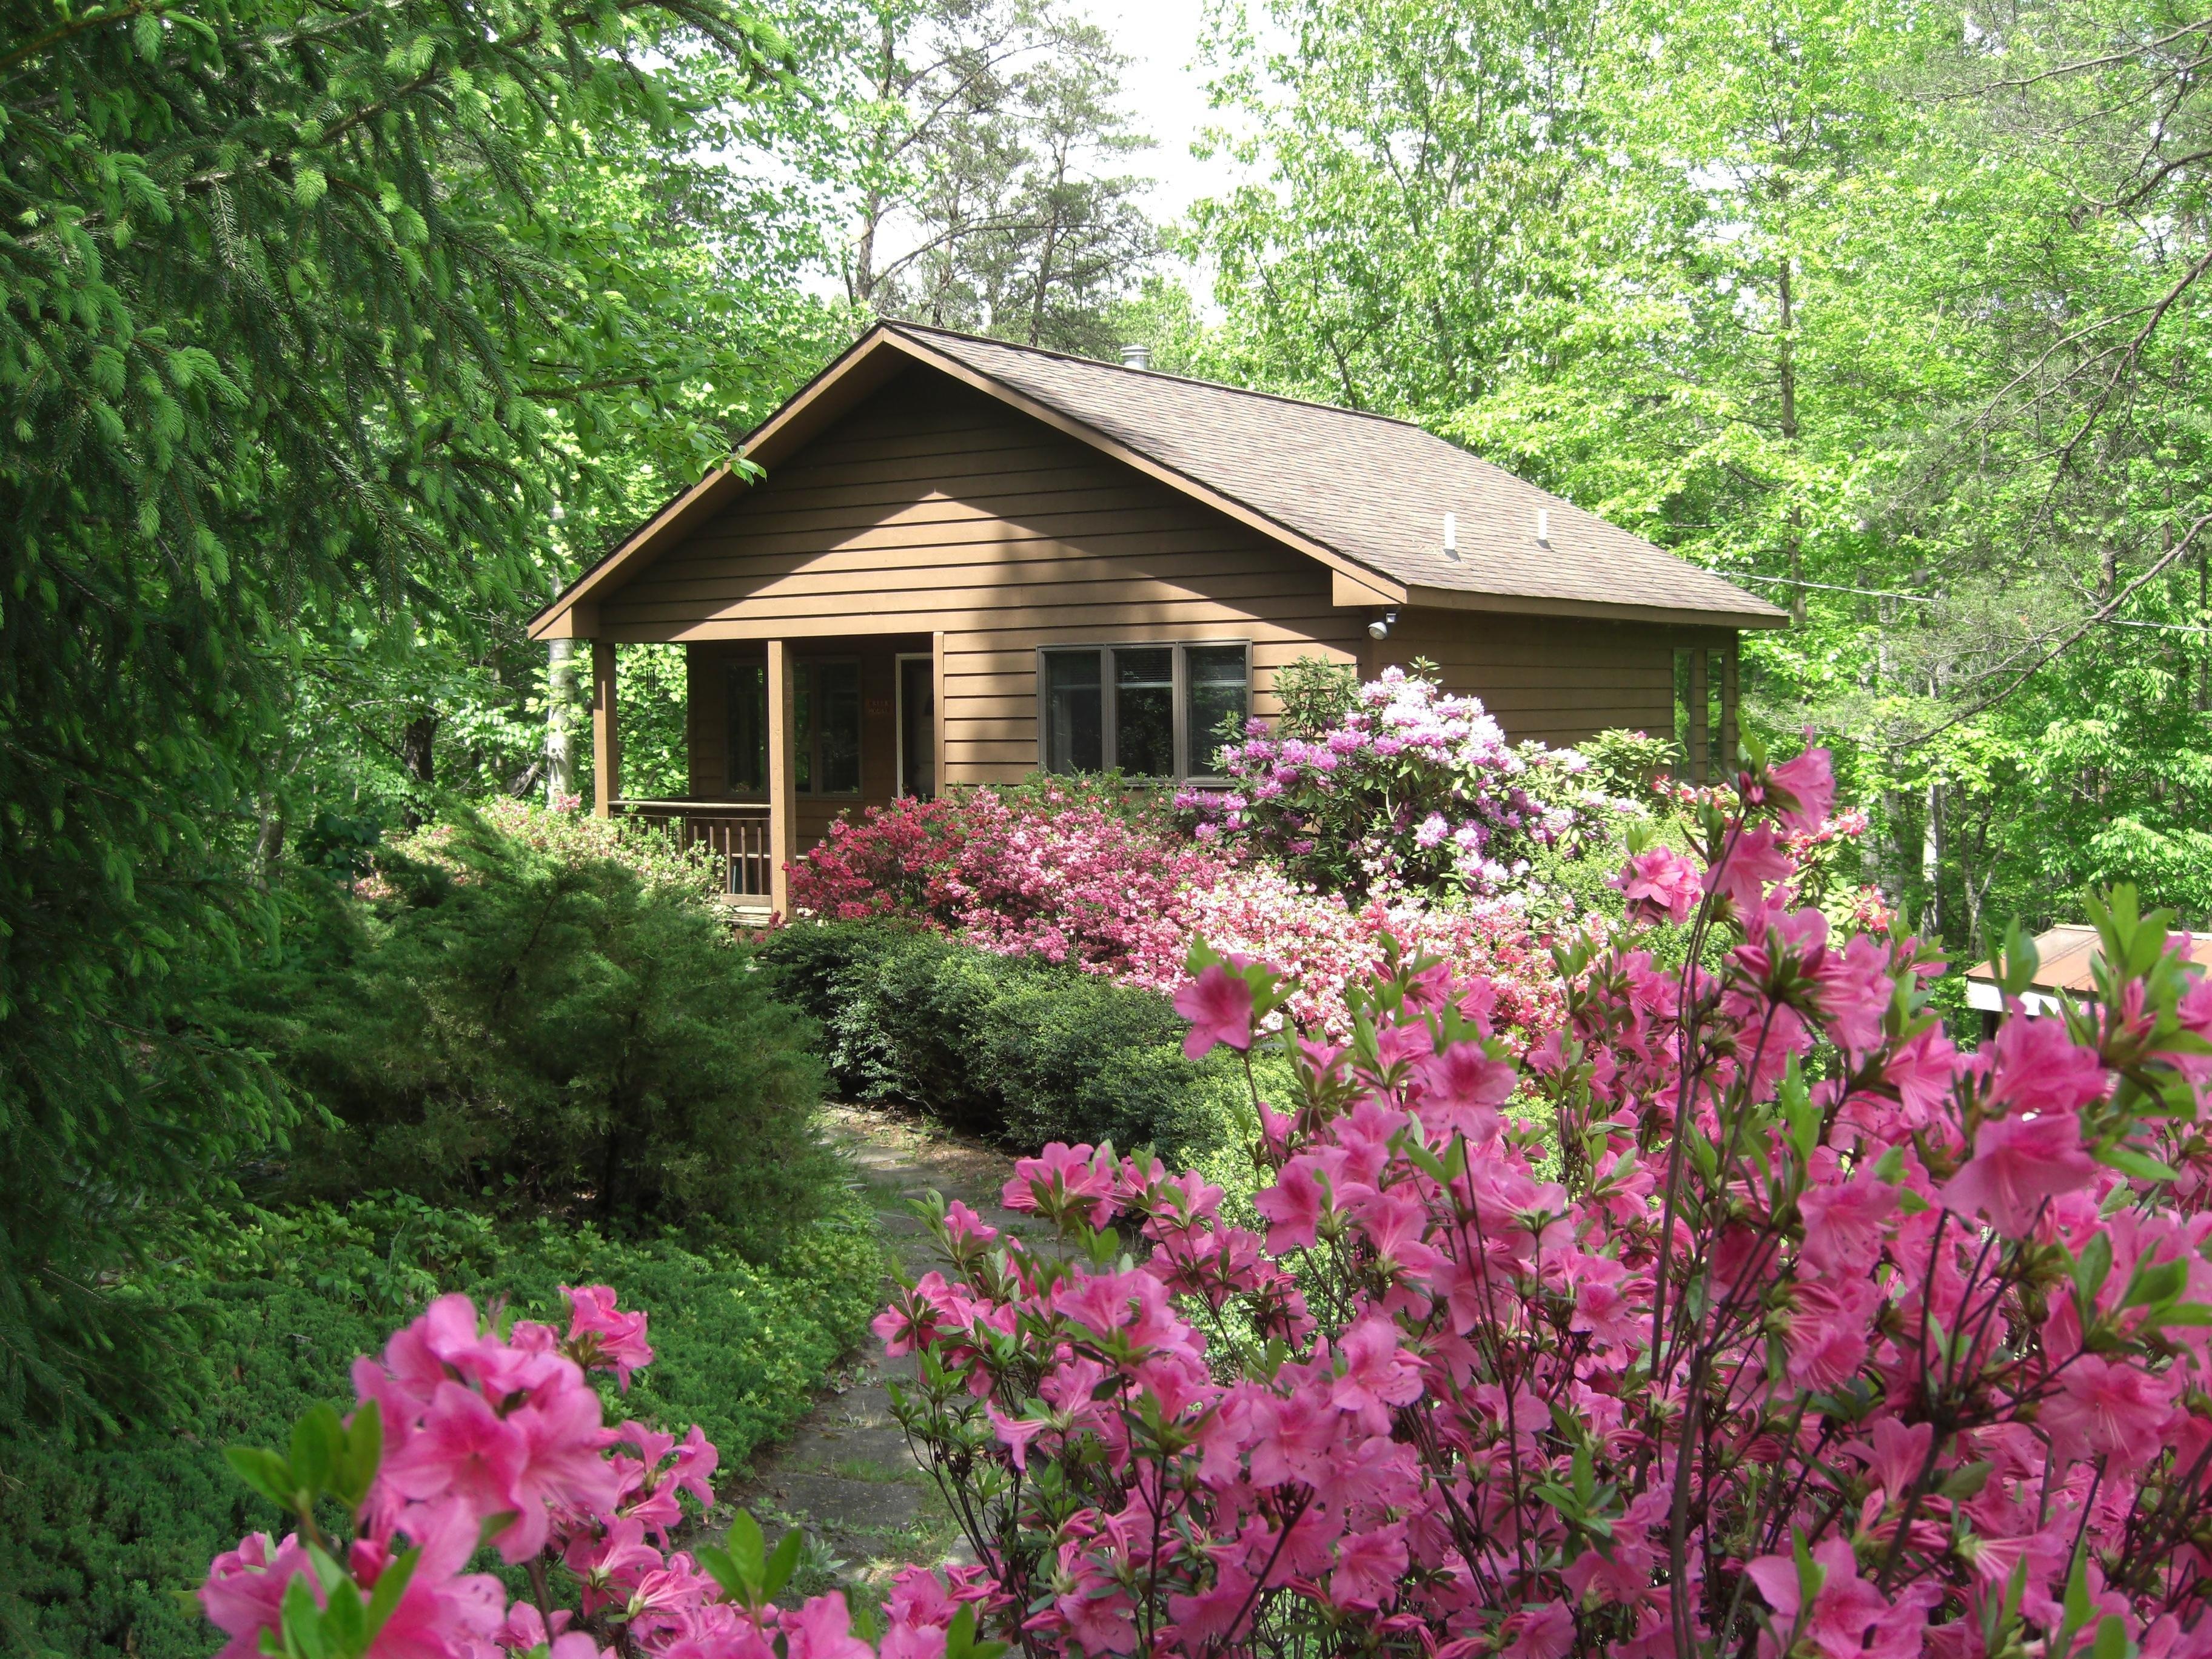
<point x="1827" y="1338"/>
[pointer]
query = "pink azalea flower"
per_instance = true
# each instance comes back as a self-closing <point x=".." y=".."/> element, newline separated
<point x="2018" y="1163"/>
<point x="444" y="1612"/>
<point x="1848" y="1617"/>
<point x="1218" y="1006"/>
<point x="1659" y="881"/>
<point x="1545" y="1630"/>
<point x="1755" y="860"/>
<point x="823" y="1629"/>
<point x="1368" y="1565"/>
<point x="2038" y="1067"/>
<point x="1844" y="1221"/>
<point x="244" y="1594"/>
<point x="1831" y="1321"/>
<point x="1377" y="1374"/>
<point x="1921" y="1072"/>
<point x="1809" y="782"/>
<point x="602" y="1334"/>
<point x="2108" y="1408"/>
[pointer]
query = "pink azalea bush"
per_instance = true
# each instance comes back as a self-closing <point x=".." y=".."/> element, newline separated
<point x="1737" y="1313"/>
<point x="1325" y="945"/>
<point x="467" y="1435"/>
<point x="1052" y="873"/>
<point x="1410" y="788"/>
<point x="1740" y="1313"/>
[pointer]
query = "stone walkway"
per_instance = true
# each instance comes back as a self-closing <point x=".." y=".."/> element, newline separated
<point x="846" y="1476"/>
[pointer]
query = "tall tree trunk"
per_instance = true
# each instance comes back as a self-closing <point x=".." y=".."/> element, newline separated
<point x="1786" y="373"/>
<point x="1931" y="864"/>
<point x="560" y="700"/>
<point x="268" y="843"/>
<point x="418" y="756"/>
<point x="861" y="277"/>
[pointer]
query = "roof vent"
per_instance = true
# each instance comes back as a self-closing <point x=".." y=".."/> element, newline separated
<point x="1136" y="356"/>
<point x="1544" y="525"/>
<point x="1451" y="537"/>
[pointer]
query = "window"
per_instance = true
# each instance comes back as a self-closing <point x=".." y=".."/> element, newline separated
<point x="827" y="694"/>
<point x="1074" y="738"/>
<point x="1143" y="711"/>
<point x="1152" y="711"/>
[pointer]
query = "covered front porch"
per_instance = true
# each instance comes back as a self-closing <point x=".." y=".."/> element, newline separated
<point x="781" y="736"/>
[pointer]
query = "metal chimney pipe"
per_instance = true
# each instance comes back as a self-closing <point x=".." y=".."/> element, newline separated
<point x="1136" y="356"/>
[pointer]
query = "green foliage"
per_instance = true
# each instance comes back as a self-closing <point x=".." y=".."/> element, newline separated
<point x="306" y="309"/>
<point x="1316" y="693"/>
<point x="653" y="692"/>
<point x="1887" y="312"/>
<point x="1030" y="1050"/>
<point x="985" y="168"/>
<point x="96" y="1539"/>
<point x="536" y="1025"/>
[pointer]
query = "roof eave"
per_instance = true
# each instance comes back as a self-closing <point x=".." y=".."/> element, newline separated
<point x="1754" y="615"/>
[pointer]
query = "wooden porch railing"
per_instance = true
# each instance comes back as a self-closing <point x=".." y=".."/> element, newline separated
<point x="734" y="832"/>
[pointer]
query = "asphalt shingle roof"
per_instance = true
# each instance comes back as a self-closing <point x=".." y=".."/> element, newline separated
<point x="1371" y="489"/>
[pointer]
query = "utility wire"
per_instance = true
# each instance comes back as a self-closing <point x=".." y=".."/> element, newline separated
<point x="1923" y="598"/>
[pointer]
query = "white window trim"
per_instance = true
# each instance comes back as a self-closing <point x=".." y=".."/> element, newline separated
<point x="1181" y="694"/>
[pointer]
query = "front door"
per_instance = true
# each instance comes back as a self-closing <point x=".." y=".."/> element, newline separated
<point x="917" y="724"/>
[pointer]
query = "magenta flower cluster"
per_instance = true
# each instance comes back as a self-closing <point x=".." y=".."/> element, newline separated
<point x="466" y="1436"/>
<point x="1409" y="788"/>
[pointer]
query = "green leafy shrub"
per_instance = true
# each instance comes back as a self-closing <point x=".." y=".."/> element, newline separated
<point x="1033" y="1050"/>
<point x="97" y="1539"/>
<point x="538" y="1024"/>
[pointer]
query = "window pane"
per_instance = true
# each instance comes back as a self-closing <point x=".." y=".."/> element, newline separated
<point x="1218" y="689"/>
<point x="746" y="732"/>
<point x="1074" y="727"/>
<point x="837" y="690"/>
<point x="1143" y="711"/>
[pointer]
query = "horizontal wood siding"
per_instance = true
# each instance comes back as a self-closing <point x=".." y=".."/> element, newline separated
<point x="1556" y="680"/>
<point x="932" y="507"/>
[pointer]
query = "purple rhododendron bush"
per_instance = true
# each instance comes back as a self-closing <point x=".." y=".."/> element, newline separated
<point x="1738" y="1313"/>
<point x="1408" y="787"/>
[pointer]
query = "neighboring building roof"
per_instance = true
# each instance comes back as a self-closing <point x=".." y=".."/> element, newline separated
<point x="1365" y="494"/>
<point x="2065" y="961"/>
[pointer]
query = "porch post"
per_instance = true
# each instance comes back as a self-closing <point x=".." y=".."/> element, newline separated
<point x="782" y="775"/>
<point x="937" y="706"/>
<point x="606" y="735"/>
<point x="1700" y="713"/>
<point x="1727" y="707"/>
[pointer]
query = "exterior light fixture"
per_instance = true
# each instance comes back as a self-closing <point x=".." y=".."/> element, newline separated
<point x="1381" y="627"/>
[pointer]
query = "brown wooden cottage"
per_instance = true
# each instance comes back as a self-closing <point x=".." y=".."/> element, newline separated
<point x="964" y="560"/>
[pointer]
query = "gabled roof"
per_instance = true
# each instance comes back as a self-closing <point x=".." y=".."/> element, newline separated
<point x="1364" y="494"/>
